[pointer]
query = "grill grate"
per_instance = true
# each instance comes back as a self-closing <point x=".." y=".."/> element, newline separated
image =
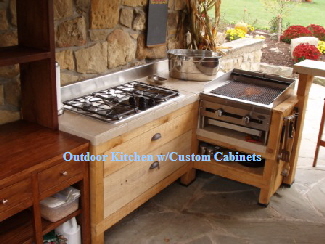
<point x="249" y="92"/>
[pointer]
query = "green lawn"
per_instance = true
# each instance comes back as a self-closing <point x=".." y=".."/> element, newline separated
<point x="304" y="14"/>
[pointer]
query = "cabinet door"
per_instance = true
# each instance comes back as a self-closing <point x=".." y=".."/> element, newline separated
<point x="131" y="181"/>
<point x="15" y="198"/>
<point x="150" y="140"/>
<point x="59" y="175"/>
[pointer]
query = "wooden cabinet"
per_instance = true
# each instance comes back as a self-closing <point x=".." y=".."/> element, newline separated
<point x="33" y="168"/>
<point x="31" y="162"/>
<point x="15" y="197"/>
<point x="267" y="178"/>
<point x="126" y="184"/>
<point x="58" y="174"/>
<point x="120" y="186"/>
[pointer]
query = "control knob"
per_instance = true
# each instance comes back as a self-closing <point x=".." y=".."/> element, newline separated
<point x="247" y="119"/>
<point x="219" y="112"/>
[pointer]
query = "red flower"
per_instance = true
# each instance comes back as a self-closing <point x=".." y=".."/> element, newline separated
<point x="317" y="31"/>
<point x="294" y="31"/>
<point x="305" y="51"/>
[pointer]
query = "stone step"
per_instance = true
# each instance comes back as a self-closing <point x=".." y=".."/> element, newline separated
<point x="286" y="72"/>
<point x="278" y="70"/>
<point x="320" y="80"/>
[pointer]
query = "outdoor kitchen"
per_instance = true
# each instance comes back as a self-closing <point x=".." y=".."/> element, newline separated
<point x="115" y="128"/>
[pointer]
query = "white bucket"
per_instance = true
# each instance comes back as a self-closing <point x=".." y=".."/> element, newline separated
<point x="70" y="230"/>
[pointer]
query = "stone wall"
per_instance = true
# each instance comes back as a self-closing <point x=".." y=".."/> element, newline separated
<point x="93" y="37"/>
<point x="243" y="54"/>
<point x="9" y="76"/>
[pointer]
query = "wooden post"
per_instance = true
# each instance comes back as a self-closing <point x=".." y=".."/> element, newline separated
<point x="190" y="176"/>
<point x="304" y="85"/>
<point x="307" y="69"/>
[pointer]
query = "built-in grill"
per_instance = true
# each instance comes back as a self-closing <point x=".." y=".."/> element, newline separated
<point x="120" y="102"/>
<point x="249" y="92"/>
<point x="242" y="101"/>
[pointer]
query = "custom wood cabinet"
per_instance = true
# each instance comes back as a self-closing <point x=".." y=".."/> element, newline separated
<point x="267" y="178"/>
<point x="32" y="168"/>
<point x="119" y="187"/>
<point x="31" y="161"/>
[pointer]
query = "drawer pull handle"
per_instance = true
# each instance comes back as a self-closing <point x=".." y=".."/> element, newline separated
<point x="156" y="137"/>
<point x="65" y="173"/>
<point x="4" y="201"/>
<point x="154" y="165"/>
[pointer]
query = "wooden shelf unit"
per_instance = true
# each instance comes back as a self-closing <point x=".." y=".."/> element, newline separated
<point x="233" y="171"/>
<point x="35" y="169"/>
<point x="35" y="54"/>
<point x="48" y="226"/>
<point x="18" y="228"/>
<point x="17" y="54"/>
<point x="27" y="147"/>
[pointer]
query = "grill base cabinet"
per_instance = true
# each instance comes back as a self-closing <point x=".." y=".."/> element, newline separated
<point x="267" y="178"/>
<point x="119" y="187"/>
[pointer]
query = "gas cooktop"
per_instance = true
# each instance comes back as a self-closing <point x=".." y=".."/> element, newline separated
<point x="120" y="102"/>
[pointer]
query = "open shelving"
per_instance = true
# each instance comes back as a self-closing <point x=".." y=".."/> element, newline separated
<point x="19" y="228"/>
<point x="18" y="54"/>
<point x="35" y="54"/>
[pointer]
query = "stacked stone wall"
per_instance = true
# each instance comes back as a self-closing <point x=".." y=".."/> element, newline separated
<point x="243" y="54"/>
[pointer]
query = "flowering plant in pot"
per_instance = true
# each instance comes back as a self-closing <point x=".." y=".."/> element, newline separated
<point x="305" y="51"/>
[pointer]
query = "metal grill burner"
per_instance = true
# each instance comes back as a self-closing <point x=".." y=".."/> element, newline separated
<point x="250" y="92"/>
<point x="120" y="102"/>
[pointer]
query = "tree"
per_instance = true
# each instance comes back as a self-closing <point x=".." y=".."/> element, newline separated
<point x="280" y="9"/>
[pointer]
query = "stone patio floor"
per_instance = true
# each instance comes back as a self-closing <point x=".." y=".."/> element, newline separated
<point x="218" y="210"/>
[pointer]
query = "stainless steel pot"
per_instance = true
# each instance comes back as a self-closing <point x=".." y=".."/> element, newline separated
<point x="196" y="65"/>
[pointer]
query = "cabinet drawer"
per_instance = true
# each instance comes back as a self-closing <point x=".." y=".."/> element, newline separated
<point x="15" y="197"/>
<point x="58" y="174"/>
<point x="149" y="141"/>
<point x="131" y="181"/>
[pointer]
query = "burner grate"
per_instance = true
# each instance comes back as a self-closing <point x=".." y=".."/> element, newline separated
<point x="249" y="92"/>
<point x="119" y="102"/>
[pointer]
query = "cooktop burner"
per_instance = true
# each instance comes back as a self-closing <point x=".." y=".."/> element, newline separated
<point x="120" y="102"/>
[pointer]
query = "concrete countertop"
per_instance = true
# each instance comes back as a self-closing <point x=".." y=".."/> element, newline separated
<point x="98" y="132"/>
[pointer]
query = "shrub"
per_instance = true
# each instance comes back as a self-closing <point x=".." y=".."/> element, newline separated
<point x="321" y="47"/>
<point x="305" y="51"/>
<point x="233" y="34"/>
<point x="317" y="31"/>
<point x="294" y="31"/>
